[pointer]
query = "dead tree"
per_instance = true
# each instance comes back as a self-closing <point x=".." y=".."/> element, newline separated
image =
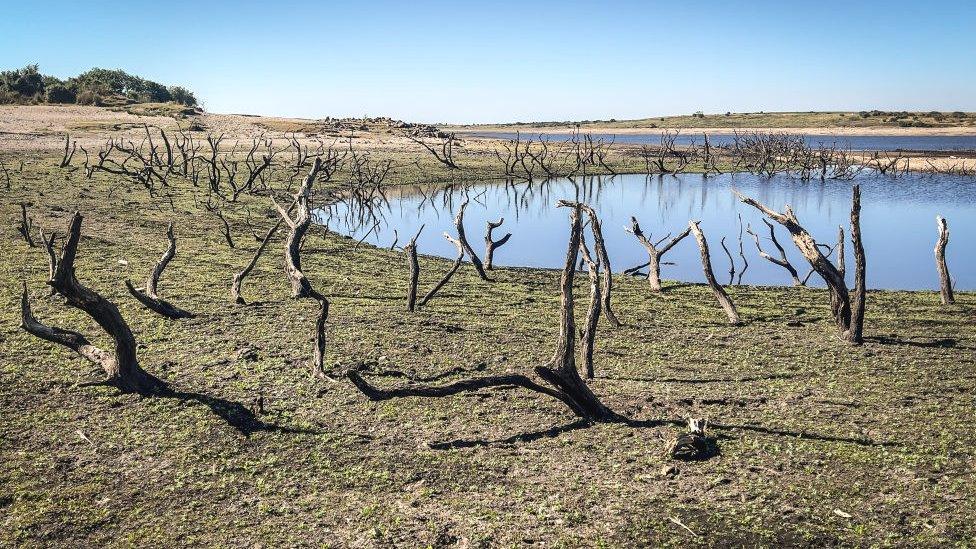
<point x="26" y="227"/>
<point x="414" y="265"/>
<point x="588" y="333"/>
<point x="491" y="245"/>
<point x="783" y="261"/>
<point x="560" y="371"/>
<point x="300" y="286"/>
<point x="6" y="174"/>
<point x="600" y="248"/>
<point x="945" y="282"/>
<point x="720" y="295"/>
<point x="149" y="297"/>
<point x="235" y="289"/>
<point x="849" y="326"/>
<point x="654" y="253"/>
<point x="450" y="272"/>
<point x="215" y="209"/>
<point x="446" y="154"/>
<point x="121" y="366"/>
<point x="69" y="151"/>
<point x="459" y="226"/>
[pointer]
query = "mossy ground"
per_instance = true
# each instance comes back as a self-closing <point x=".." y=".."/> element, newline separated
<point x="821" y="443"/>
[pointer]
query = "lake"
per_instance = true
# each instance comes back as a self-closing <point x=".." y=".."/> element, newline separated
<point x="897" y="220"/>
<point x="853" y="142"/>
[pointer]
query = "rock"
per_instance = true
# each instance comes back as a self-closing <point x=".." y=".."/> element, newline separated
<point x="670" y="471"/>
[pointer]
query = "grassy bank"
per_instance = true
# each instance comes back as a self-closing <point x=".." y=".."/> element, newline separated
<point x="820" y="443"/>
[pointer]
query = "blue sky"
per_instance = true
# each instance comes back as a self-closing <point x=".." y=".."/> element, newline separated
<point x="505" y="61"/>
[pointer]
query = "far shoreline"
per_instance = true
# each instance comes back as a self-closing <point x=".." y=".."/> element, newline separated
<point x="942" y="131"/>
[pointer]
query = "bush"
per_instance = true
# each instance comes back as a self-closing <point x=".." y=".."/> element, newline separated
<point x="182" y="96"/>
<point x="59" y="93"/>
<point x="26" y="82"/>
<point x="88" y="97"/>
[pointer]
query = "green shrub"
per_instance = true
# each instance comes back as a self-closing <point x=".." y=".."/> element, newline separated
<point x="182" y="96"/>
<point x="59" y="93"/>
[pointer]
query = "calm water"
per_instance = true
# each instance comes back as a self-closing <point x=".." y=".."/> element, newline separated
<point x="897" y="220"/>
<point x="853" y="142"/>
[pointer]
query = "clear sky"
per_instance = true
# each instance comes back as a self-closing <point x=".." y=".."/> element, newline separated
<point x="463" y="61"/>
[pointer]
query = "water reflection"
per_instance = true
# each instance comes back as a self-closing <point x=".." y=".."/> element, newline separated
<point x="898" y="221"/>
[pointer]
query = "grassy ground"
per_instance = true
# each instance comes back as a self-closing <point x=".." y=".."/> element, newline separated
<point x="765" y="120"/>
<point x="820" y="443"/>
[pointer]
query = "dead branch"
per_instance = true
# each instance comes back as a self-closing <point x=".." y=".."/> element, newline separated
<point x="69" y="151"/>
<point x="472" y="256"/>
<point x="450" y="272"/>
<point x="26" y="227"/>
<point x="121" y="366"/>
<point x="491" y="245"/>
<point x="654" y="253"/>
<point x="236" y="286"/>
<point x="446" y="154"/>
<point x="783" y="261"/>
<point x="720" y="295"/>
<point x="150" y="298"/>
<point x="731" y="261"/>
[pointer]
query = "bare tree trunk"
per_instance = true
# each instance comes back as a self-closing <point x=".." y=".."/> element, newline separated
<point x="26" y="227"/>
<point x="459" y="225"/>
<point x="593" y="314"/>
<point x="150" y="298"/>
<point x="840" y="253"/>
<point x="491" y="245"/>
<point x="945" y="282"/>
<point x="235" y="290"/>
<point x="121" y="367"/>
<point x="654" y="254"/>
<point x="855" y="334"/>
<point x="300" y="286"/>
<point x="599" y="246"/>
<point x="720" y="295"/>
<point x="561" y="370"/>
<point x="318" y="356"/>
<point x="414" y="265"/>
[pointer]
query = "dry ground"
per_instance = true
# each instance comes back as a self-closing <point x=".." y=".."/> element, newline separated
<point x="821" y="444"/>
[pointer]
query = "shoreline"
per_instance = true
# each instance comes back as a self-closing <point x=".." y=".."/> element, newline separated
<point x="949" y="131"/>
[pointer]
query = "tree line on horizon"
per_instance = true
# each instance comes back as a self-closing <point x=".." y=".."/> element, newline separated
<point x="100" y="87"/>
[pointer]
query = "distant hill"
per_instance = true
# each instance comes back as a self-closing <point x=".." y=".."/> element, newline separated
<point x="863" y="119"/>
<point x="101" y="87"/>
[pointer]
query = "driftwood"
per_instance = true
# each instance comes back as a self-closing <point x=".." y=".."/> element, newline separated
<point x="945" y="282"/>
<point x="459" y="226"/>
<point x="849" y="326"/>
<point x="491" y="245"/>
<point x="236" y="286"/>
<point x="654" y="253"/>
<point x="121" y="366"/>
<point x="560" y="371"/>
<point x="720" y="295"/>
